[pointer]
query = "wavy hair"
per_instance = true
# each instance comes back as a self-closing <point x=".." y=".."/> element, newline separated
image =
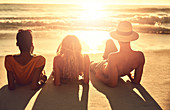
<point x="70" y="49"/>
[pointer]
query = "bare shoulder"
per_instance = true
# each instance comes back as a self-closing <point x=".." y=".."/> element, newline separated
<point x="113" y="58"/>
<point x="39" y="58"/>
<point x="57" y="58"/>
<point x="141" y="56"/>
<point x="86" y="56"/>
<point x="113" y="55"/>
<point x="58" y="61"/>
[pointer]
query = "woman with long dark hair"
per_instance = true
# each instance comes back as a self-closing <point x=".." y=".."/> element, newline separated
<point x="25" y="68"/>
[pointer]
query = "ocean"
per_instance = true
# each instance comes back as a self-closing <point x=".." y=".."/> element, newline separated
<point x="50" y="23"/>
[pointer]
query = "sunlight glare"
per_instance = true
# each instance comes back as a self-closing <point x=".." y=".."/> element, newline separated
<point x="93" y="41"/>
<point x="92" y="6"/>
<point x="92" y="11"/>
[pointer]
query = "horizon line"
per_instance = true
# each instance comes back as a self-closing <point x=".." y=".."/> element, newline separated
<point x="81" y="4"/>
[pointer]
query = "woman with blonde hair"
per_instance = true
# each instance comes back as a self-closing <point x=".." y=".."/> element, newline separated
<point x="70" y="63"/>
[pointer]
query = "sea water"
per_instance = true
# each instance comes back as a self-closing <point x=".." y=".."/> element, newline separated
<point x="50" y="23"/>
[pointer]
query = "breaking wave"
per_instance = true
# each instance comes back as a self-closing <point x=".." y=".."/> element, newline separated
<point x="67" y="17"/>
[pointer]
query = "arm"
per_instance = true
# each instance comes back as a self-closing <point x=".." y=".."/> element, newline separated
<point x="139" y="70"/>
<point x="138" y="74"/>
<point x="10" y="74"/>
<point x="56" y="72"/>
<point x="86" y="71"/>
<point x="100" y="74"/>
<point x="36" y="77"/>
<point x="11" y="79"/>
<point x="110" y="71"/>
<point x="112" y="75"/>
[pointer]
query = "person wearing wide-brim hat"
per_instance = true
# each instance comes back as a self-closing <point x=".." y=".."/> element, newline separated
<point x="125" y="60"/>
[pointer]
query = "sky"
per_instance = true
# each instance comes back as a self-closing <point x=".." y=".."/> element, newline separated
<point x="157" y="2"/>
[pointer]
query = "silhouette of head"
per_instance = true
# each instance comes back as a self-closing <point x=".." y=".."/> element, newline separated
<point x="70" y="45"/>
<point x="24" y="40"/>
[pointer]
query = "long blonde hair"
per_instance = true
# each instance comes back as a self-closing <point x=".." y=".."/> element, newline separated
<point x="70" y="49"/>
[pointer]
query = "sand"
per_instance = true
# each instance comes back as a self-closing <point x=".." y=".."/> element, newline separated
<point x="152" y="94"/>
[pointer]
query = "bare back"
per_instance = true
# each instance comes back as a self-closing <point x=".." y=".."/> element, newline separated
<point x="126" y="61"/>
<point x="58" y="65"/>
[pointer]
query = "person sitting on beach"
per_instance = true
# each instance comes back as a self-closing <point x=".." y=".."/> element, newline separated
<point x="70" y="63"/>
<point x="122" y="62"/>
<point x="25" y="68"/>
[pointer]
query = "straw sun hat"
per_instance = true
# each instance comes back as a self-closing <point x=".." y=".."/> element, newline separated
<point x="124" y="32"/>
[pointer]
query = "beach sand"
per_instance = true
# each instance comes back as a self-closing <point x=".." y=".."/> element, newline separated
<point x="152" y="94"/>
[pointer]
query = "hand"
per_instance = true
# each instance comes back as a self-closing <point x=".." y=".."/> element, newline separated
<point x="131" y="76"/>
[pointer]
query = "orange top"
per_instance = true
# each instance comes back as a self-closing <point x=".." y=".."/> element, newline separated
<point x="23" y="74"/>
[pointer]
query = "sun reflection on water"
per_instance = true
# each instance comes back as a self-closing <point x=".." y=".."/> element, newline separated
<point x="92" y="41"/>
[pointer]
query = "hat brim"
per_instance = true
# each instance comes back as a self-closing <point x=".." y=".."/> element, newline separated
<point x="122" y="38"/>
